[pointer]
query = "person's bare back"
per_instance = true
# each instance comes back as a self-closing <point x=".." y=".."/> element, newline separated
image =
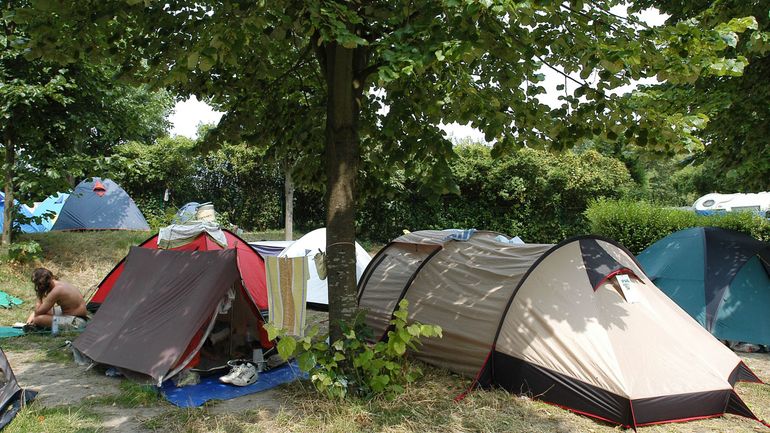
<point x="55" y="298"/>
<point x="68" y="297"/>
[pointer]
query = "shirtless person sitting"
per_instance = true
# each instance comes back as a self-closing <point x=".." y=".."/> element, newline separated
<point x="56" y="298"/>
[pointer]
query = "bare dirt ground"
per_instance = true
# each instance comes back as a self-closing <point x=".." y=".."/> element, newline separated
<point x="65" y="384"/>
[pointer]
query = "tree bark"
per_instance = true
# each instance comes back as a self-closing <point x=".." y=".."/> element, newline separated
<point x="342" y="159"/>
<point x="288" y="190"/>
<point x="10" y="160"/>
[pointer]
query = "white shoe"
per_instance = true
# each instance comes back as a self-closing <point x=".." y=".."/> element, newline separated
<point x="244" y="375"/>
<point x="228" y="378"/>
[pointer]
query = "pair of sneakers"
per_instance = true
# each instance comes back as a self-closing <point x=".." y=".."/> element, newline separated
<point x="242" y="373"/>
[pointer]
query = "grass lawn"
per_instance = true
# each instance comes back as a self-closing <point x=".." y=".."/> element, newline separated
<point x="75" y="400"/>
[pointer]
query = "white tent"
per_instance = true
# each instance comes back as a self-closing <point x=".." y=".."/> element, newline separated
<point x="310" y="245"/>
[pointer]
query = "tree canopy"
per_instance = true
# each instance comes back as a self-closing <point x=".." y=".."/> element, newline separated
<point x="59" y="121"/>
<point x="736" y="155"/>
<point x="390" y="72"/>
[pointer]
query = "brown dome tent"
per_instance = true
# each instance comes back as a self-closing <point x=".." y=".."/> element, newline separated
<point x="556" y="322"/>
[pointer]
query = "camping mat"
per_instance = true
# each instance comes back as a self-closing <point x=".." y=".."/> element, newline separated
<point x="8" y="301"/>
<point x="210" y="388"/>
<point x="8" y="331"/>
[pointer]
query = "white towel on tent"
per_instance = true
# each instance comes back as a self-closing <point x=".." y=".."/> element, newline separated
<point x="179" y="234"/>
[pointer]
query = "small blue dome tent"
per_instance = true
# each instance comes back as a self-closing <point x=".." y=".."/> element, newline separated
<point x="52" y="204"/>
<point x="100" y="204"/>
<point x="30" y="227"/>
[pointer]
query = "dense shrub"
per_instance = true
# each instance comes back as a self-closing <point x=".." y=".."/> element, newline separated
<point x="538" y="195"/>
<point x="155" y="210"/>
<point x="350" y="367"/>
<point x="25" y="251"/>
<point x="637" y="225"/>
<point x="534" y="194"/>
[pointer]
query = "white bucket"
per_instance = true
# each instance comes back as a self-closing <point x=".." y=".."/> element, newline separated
<point x="206" y="212"/>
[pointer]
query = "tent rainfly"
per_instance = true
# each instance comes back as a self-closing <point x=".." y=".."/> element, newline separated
<point x="52" y="203"/>
<point x="100" y="204"/>
<point x="163" y="306"/>
<point x="250" y="266"/>
<point x="719" y="277"/>
<point x="578" y="325"/>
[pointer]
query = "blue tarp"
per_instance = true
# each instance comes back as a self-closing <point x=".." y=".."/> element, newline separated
<point x="210" y="388"/>
<point x="8" y="301"/>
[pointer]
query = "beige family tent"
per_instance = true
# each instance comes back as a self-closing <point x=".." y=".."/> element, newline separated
<point x="578" y="325"/>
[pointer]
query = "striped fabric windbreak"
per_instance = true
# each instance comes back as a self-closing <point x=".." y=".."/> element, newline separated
<point x="287" y="292"/>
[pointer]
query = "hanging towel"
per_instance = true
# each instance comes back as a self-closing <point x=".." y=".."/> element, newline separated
<point x="287" y="292"/>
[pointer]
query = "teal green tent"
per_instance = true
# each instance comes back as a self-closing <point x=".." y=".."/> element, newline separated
<point x="720" y="277"/>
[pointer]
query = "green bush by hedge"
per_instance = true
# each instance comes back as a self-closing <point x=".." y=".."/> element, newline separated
<point x="535" y="194"/>
<point x="637" y="225"/>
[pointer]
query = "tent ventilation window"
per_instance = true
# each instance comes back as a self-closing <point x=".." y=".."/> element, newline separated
<point x="99" y="189"/>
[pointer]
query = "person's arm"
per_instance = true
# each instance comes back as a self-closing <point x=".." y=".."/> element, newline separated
<point x="46" y="305"/>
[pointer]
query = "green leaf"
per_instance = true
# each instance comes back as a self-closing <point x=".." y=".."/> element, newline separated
<point x="206" y="63"/>
<point x="192" y="60"/>
<point x="286" y="347"/>
<point x="306" y="361"/>
<point x="272" y="331"/>
<point x="414" y="330"/>
<point x="399" y="347"/>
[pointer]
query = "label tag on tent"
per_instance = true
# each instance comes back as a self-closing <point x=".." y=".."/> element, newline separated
<point x="627" y="287"/>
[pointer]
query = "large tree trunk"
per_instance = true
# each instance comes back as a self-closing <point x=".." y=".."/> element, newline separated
<point x="10" y="161"/>
<point x="288" y="190"/>
<point x="342" y="157"/>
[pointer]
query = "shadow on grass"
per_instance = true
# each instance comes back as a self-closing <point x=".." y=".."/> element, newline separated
<point x="46" y="348"/>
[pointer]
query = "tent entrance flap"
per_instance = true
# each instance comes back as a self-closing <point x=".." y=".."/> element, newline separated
<point x="161" y="300"/>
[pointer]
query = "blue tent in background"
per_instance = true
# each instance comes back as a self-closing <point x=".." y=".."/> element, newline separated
<point x="100" y="204"/>
<point x="25" y="211"/>
<point x="52" y="203"/>
<point x="720" y="277"/>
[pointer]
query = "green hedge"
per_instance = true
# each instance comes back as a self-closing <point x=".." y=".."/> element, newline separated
<point x="537" y="195"/>
<point x="637" y="225"/>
